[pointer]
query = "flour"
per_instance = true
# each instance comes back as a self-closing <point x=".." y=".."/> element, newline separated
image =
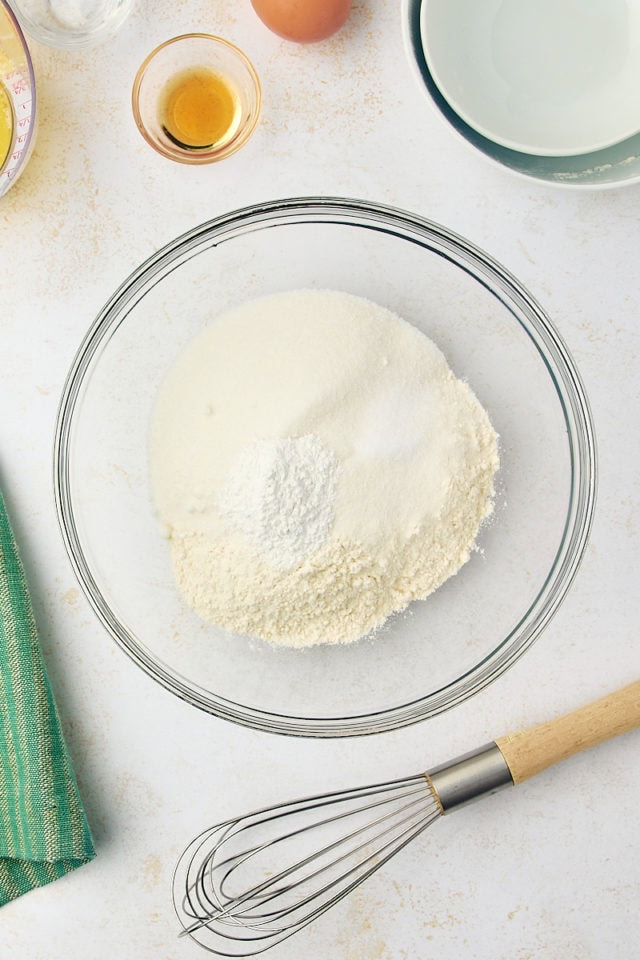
<point x="317" y="466"/>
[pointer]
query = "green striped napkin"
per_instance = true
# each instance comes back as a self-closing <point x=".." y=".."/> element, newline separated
<point x="43" y="830"/>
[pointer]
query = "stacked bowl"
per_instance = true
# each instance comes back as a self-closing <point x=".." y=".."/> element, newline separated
<point x="546" y="88"/>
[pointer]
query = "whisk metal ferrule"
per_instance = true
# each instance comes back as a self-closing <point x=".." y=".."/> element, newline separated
<point x="469" y="777"/>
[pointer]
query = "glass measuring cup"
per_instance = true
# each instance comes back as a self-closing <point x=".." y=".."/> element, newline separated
<point x="17" y="81"/>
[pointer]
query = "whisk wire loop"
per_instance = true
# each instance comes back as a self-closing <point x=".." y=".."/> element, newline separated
<point x="271" y="890"/>
<point x="237" y="860"/>
<point x="234" y="906"/>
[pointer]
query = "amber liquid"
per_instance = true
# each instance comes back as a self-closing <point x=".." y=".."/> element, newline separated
<point x="199" y="109"/>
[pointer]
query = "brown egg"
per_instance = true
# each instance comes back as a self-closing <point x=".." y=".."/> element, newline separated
<point x="304" y="21"/>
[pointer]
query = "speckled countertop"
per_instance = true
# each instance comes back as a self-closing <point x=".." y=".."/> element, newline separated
<point x="550" y="872"/>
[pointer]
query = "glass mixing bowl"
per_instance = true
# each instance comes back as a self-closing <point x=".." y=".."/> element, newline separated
<point x="494" y="335"/>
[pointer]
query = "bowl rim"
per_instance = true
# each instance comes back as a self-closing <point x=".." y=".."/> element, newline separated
<point x="494" y="277"/>
<point x="25" y="154"/>
<point x="487" y="148"/>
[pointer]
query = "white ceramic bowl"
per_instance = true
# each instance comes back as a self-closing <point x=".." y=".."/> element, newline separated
<point x="549" y="77"/>
<point x="615" y="166"/>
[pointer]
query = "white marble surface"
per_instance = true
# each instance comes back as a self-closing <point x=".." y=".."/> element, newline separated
<point x="551" y="870"/>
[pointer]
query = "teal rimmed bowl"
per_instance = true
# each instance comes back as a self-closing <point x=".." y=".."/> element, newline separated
<point x="615" y="166"/>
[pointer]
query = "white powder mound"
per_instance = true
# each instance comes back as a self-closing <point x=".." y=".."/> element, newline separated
<point x="279" y="494"/>
<point x="317" y="466"/>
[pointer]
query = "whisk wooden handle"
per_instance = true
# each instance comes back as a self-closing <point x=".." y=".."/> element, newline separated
<point x="531" y="751"/>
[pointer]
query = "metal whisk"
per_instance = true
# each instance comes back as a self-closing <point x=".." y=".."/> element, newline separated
<point x="245" y="885"/>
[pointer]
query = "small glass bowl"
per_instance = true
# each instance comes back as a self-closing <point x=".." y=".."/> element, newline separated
<point x="68" y="25"/>
<point x="494" y="335"/>
<point x="19" y="83"/>
<point x="193" y="51"/>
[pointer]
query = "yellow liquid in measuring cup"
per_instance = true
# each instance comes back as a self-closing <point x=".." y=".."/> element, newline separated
<point x="6" y="124"/>
<point x="198" y="109"/>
